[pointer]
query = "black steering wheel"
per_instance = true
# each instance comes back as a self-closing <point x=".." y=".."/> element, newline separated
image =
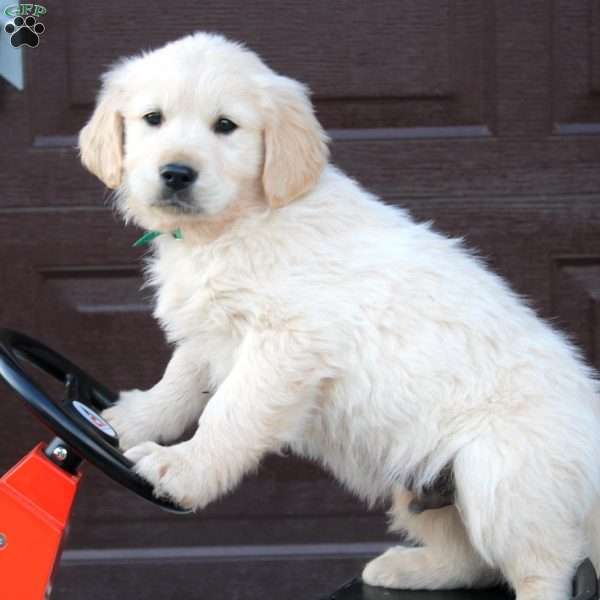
<point x="74" y="419"/>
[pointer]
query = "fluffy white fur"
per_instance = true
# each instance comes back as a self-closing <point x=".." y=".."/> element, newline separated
<point x="324" y="320"/>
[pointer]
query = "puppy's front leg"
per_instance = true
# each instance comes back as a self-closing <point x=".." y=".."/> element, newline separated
<point x="166" y="410"/>
<point x="260" y="406"/>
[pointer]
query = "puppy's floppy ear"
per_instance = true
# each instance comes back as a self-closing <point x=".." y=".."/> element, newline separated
<point x="295" y="144"/>
<point x="101" y="140"/>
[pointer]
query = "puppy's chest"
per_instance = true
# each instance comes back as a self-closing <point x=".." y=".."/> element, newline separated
<point x="200" y="298"/>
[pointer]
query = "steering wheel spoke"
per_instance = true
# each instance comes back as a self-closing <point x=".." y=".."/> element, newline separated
<point x="72" y="387"/>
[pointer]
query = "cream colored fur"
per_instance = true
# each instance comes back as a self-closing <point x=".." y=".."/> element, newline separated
<point x="325" y="321"/>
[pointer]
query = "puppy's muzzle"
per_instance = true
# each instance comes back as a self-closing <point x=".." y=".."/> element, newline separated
<point x="177" y="177"/>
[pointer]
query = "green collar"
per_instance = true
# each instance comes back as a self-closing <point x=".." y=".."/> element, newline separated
<point x="150" y="235"/>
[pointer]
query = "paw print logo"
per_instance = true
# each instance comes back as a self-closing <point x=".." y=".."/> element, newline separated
<point x="25" y="32"/>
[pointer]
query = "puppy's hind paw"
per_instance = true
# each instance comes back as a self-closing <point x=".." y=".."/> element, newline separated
<point x="424" y="568"/>
<point x="400" y="568"/>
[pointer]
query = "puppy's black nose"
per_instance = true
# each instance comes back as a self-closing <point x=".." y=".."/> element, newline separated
<point x="177" y="177"/>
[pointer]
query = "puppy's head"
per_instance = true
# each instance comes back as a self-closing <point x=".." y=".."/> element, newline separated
<point x="198" y="131"/>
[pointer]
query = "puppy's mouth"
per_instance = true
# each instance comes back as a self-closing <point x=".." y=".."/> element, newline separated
<point x="180" y="202"/>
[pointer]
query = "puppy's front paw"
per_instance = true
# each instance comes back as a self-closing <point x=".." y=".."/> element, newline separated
<point x="168" y="469"/>
<point x="128" y="418"/>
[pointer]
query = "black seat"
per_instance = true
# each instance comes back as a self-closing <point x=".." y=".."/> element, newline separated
<point x="585" y="587"/>
<point x="356" y="590"/>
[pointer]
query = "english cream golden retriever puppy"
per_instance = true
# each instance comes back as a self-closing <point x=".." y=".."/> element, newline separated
<point x="325" y="321"/>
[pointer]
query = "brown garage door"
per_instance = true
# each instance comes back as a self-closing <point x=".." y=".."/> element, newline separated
<point x="484" y="116"/>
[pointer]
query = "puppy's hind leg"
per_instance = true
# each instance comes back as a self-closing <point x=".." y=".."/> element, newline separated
<point x="523" y="515"/>
<point x="445" y="560"/>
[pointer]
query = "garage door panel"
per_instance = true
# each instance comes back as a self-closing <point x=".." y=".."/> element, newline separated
<point x="428" y="63"/>
<point x="576" y="53"/>
<point x="173" y="577"/>
<point x="576" y="299"/>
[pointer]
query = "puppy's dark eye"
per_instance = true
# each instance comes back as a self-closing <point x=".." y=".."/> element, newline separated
<point x="224" y="125"/>
<point x="153" y="118"/>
